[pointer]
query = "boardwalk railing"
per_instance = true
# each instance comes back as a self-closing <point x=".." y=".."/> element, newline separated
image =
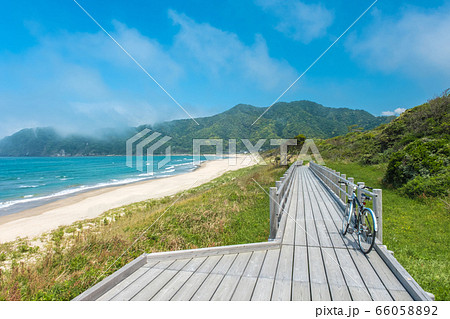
<point x="278" y="198"/>
<point x="334" y="181"/>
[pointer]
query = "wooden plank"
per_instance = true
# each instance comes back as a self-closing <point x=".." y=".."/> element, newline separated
<point x="319" y="282"/>
<point x="155" y="285"/>
<point x="283" y="279"/>
<point x="336" y="281"/>
<point x="150" y="264"/>
<point x="395" y="288"/>
<point x="322" y="233"/>
<point x="194" y="282"/>
<point x="300" y="226"/>
<point x="170" y="289"/>
<point x="348" y="241"/>
<point x="106" y="284"/>
<point x="336" y="211"/>
<point x="264" y="284"/>
<point x="139" y="284"/>
<point x="122" y="285"/>
<point x="334" y="232"/>
<point x="300" y="275"/>
<point x="352" y="277"/>
<point x="373" y="283"/>
<point x="229" y="283"/>
<point x="210" y="251"/>
<point x="209" y="286"/>
<point x="247" y="283"/>
<point x="311" y="233"/>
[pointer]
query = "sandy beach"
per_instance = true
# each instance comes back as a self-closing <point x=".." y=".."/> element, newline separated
<point x="34" y="222"/>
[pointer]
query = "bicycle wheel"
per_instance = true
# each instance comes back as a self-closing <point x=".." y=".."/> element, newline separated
<point x="347" y="217"/>
<point x="367" y="230"/>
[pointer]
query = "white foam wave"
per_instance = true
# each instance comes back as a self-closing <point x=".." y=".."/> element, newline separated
<point x="112" y="182"/>
<point x="69" y="191"/>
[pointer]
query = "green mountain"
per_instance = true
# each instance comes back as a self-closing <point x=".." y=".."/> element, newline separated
<point x="283" y="120"/>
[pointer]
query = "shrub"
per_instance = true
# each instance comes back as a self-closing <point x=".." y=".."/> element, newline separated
<point x="436" y="186"/>
<point x="423" y="158"/>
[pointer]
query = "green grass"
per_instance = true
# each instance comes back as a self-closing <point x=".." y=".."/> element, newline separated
<point x="417" y="230"/>
<point x="231" y="209"/>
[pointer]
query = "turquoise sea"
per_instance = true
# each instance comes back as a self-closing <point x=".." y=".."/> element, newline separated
<point x="28" y="182"/>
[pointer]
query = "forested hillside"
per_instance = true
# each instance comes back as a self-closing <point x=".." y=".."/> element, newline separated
<point x="283" y="120"/>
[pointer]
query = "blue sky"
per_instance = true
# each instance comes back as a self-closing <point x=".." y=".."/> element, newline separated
<point x="58" y="68"/>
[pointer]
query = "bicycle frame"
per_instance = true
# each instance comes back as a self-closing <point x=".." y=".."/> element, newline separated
<point x="354" y="199"/>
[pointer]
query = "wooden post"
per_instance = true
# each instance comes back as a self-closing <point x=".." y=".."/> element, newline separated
<point x="332" y="171"/>
<point x="338" y="191"/>
<point x="343" y="196"/>
<point x="358" y="192"/>
<point x="333" y="180"/>
<point x="278" y="184"/>
<point x="273" y="213"/>
<point x="350" y="187"/>
<point x="327" y="174"/>
<point x="378" y="210"/>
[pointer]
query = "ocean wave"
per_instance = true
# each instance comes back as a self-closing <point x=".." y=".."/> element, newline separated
<point x="69" y="191"/>
<point x="147" y="174"/>
<point x="183" y="164"/>
<point x="168" y="171"/>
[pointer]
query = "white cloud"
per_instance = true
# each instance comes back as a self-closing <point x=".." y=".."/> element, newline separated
<point x="220" y="55"/>
<point x="298" y="20"/>
<point x="397" y="111"/>
<point x="416" y="43"/>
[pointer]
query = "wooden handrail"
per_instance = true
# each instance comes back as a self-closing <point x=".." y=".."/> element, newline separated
<point x="335" y="181"/>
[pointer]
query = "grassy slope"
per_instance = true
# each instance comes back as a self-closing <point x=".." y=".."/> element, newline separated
<point x="231" y="209"/>
<point x="415" y="229"/>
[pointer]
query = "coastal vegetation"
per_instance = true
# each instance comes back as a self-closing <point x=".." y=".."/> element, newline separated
<point x="283" y="120"/>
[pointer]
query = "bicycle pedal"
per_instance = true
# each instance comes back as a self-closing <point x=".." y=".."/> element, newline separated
<point x="350" y="230"/>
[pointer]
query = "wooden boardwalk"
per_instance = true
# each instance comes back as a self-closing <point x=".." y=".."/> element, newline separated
<point x="308" y="260"/>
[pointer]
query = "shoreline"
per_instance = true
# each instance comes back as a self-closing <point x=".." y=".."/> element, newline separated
<point x="90" y="204"/>
<point x="45" y="200"/>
